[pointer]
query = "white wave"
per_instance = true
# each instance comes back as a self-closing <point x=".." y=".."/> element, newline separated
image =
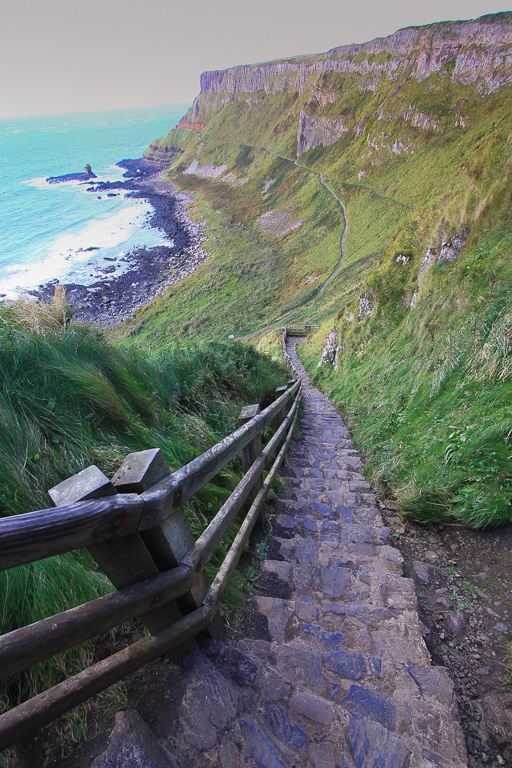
<point x="68" y="260"/>
<point x="38" y="181"/>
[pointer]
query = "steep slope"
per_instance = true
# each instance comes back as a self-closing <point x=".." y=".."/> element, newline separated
<point x="412" y="134"/>
<point x="70" y="397"/>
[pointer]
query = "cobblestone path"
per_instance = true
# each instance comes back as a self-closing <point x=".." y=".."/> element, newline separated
<point x="347" y="640"/>
<point x="340" y="676"/>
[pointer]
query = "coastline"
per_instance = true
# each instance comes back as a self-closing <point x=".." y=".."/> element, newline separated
<point x="112" y="299"/>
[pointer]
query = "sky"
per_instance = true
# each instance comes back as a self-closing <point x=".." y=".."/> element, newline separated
<point x="81" y="55"/>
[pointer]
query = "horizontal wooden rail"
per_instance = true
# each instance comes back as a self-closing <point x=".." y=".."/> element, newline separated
<point x="105" y="525"/>
<point x="210" y="539"/>
<point x="33" y="536"/>
<point x="45" y="707"/>
<point x="36" y="535"/>
<point x="183" y="484"/>
<point x="227" y="568"/>
<point x="26" y="646"/>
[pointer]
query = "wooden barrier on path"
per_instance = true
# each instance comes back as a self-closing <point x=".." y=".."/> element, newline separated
<point x="135" y="528"/>
<point x="300" y="329"/>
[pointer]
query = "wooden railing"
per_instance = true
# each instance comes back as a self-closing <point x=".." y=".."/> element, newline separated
<point x="300" y="329"/>
<point x="135" y="528"/>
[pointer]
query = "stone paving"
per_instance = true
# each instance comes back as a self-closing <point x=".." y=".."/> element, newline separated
<point x="342" y="677"/>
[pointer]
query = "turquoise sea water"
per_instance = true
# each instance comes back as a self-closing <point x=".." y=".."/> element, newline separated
<point x="45" y="229"/>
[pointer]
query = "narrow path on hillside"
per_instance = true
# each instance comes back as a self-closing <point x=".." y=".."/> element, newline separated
<point x="333" y="273"/>
<point x="322" y="180"/>
<point x="340" y="181"/>
<point x="328" y="668"/>
<point x="342" y="257"/>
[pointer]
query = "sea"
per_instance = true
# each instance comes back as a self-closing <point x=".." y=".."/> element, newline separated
<point x="46" y="229"/>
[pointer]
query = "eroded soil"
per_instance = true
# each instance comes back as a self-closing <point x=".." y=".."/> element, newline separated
<point x="463" y="582"/>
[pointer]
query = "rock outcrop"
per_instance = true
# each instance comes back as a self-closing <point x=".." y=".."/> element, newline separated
<point x="331" y="350"/>
<point x="87" y="175"/>
<point x="451" y="247"/>
<point x="314" y="131"/>
<point x="365" y="307"/>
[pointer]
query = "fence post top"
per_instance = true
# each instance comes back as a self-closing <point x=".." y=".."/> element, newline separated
<point x="140" y="471"/>
<point x="248" y="412"/>
<point x="90" y="483"/>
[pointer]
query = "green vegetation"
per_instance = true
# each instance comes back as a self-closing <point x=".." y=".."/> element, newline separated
<point x="427" y="389"/>
<point x="70" y="397"/>
<point x="425" y="380"/>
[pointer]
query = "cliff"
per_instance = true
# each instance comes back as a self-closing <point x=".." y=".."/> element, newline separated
<point x="466" y="51"/>
<point x="320" y="90"/>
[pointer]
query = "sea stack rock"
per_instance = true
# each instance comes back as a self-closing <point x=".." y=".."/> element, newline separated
<point x="86" y="176"/>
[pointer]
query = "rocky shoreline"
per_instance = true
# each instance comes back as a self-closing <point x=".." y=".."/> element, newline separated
<point x="113" y="298"/>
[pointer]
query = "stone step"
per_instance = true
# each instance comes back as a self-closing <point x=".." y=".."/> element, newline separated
<point x="333" y="671"/>
<point x="133" y="745"/>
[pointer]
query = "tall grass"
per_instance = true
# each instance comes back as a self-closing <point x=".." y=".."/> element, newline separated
<point x="429" y="391"/>
<point x="70" y="397"/>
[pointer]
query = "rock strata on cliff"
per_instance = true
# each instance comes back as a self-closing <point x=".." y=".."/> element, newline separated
<point x="314" y="131"/>
<point x="466" y="51"/>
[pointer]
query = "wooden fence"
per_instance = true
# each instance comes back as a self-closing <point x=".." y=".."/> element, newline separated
<point x="135" y="528"/>
<point x="299" y="329"/>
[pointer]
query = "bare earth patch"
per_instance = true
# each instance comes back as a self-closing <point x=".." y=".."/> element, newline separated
<point x="279" y="221"/>
<point x="463" y="583"/>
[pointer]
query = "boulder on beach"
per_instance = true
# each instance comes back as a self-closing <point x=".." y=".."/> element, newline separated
<point x="136" y="168"/>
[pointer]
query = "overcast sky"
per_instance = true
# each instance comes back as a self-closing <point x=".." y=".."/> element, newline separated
<point x="79" y="55"/>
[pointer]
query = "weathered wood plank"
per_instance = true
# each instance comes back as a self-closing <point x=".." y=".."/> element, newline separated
<point x="90" y="483"/>
<point x="36" y="535"/>
<point x="237" y="547"/>
<point x="211" y="537"/>
<point x="166" y="543"/>
<point x="124" y="562"/>
<point x="26" y="646"/>
<point x="140" y="470"/>
<point x="280" y="415"/>
<point x="251" y="451"/>
<point x="45" y="707"/>
<point x="172" y="492"/>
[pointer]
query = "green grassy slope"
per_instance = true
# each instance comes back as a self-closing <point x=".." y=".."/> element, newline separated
<point x="437" y="148"/>
<point x="70" y="397"/>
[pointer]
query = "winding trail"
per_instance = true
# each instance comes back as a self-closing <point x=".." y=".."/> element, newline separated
<point x="340" y="181"/>
<point x="333" y="273"/>
<point x="322" y="180"/>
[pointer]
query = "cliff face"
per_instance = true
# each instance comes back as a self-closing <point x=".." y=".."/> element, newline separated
<point x="322" y="94"/>
<point x="315" y="131"/>
<point x="419" y="78"/>
<point x="465" y="51"/>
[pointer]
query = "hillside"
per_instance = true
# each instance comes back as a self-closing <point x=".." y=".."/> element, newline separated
<point x="70" y="397"/>
<point x="412" y="134"/>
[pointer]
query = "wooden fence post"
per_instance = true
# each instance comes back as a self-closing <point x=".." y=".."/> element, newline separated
<point x="126" y="560"/>
<point x="281" y="415"/>
<point x="169" y="542"/>
<point x="250" y="453"/>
